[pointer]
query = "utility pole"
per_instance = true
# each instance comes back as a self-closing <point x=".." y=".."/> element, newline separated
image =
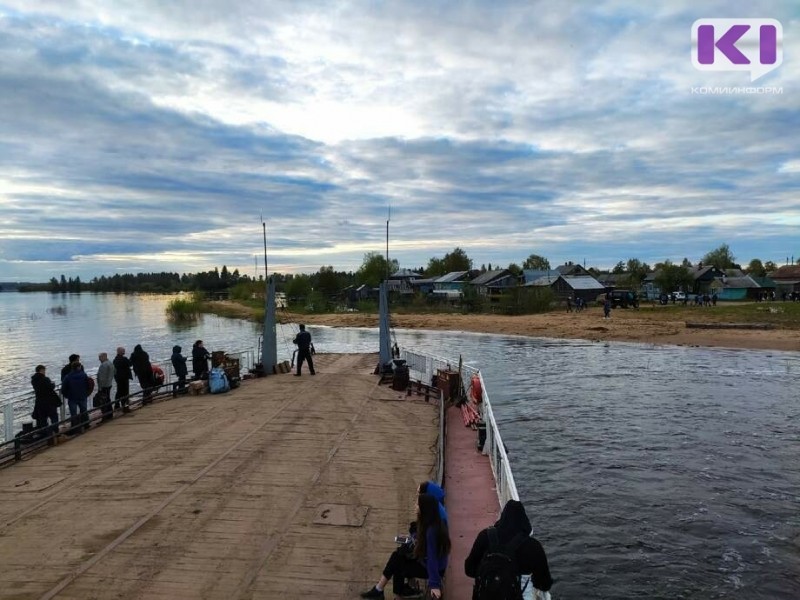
<point x="388" y="267"/>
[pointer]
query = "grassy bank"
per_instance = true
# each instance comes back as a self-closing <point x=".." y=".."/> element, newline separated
<point x="782" y="315"/>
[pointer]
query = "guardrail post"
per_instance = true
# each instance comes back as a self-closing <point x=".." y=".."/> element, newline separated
<point x="8" y="421"/>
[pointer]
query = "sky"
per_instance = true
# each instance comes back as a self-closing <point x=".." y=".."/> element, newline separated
<point x="153" y="136"/>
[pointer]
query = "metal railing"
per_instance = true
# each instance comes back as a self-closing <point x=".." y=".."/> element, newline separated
<point x="427" y="366"/>
<point x="16" y="409"/>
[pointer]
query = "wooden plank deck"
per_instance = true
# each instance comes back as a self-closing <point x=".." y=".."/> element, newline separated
<point x="215" y="496"/>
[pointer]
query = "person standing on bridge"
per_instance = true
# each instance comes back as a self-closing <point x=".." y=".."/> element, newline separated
<point x="200" y="358"/>
<point x="123" y="376"/>
<point x="47" y="401"/>
<point x="105" y="381"/>
<point x="140" y="361"/>
<point x="304" y="346"/>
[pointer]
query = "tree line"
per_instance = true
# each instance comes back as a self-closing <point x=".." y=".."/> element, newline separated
<point x="374" y="268"/>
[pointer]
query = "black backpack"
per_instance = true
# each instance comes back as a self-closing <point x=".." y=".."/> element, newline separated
<point x="498" y="574"/>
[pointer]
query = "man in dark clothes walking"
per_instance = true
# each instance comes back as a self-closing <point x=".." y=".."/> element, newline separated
<point x="123" y="376"/>
<point x="303" y="341"/>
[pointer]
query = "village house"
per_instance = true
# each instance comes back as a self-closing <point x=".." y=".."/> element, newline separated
<point x="787" y="280"/>
<point x="492" y="284"/>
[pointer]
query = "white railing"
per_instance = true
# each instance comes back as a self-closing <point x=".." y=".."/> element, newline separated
<point x="426" y="367"/>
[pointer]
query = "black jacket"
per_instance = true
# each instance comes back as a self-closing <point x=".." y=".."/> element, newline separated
<point x="122" y="368"/>
<point x="530" y="556"/>
<point x="179" y="362"/>
<point x="303" y="340"/>
<point x="140" y="361"/>
<point x="199" y="359"/>
<point x="46" y="396"/>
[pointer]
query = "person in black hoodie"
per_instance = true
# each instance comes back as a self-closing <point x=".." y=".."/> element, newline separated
<point x="47" y="401"/>
<point x="530" y="556"/>
<point x="179" y="364"/>
<point x="140" y="361"/>
<point x="122" y="376"/>
<point x="200" y="358"/>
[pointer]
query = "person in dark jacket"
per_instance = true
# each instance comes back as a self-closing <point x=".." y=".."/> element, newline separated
<point x="75" y="386"/>
<point x="530" y="555"/>
<point x="303" y="342"/>
<point x="122" y="376"/>
<point x="140" y="361"/>
<point x="179" y="365"/>
<point x="200" y="358"/>
<point x="65" y="370"/>
<point x="47" y="401"/>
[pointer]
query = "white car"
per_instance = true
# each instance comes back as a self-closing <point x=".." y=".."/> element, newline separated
<point x="679" y="296"/>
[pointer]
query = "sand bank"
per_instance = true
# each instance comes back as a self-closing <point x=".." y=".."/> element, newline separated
<point x="643" y="326"/>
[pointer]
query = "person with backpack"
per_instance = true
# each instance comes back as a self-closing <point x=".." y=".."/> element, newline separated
<point x="426" y="558"/>
<point x="504" y="552"/>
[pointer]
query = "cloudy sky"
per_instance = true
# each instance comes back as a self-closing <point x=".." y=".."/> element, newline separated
<point x="152" y="135"/>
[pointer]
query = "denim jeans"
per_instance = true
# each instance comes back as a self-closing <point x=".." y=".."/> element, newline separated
<point x="78" y="412"/>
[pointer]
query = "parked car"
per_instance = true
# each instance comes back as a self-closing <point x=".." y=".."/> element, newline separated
<point x="679" y="296"/>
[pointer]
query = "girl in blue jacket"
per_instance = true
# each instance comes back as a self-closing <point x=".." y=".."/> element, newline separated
<point x="428" y="559"/>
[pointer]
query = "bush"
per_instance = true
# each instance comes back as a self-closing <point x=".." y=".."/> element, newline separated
<point x="184" y="309"/>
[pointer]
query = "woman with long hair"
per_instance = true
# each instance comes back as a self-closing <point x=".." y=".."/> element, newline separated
<point x="427" y="559"/>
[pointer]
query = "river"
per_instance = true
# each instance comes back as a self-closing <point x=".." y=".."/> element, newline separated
<point x="656" y="472"/>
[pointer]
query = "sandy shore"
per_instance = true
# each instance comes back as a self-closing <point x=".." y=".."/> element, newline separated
<point x="627" y="326"/>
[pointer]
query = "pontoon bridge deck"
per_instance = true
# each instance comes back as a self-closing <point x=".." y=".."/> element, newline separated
<point x="257" y="493"/>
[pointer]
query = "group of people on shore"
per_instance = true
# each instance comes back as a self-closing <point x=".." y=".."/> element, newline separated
<point x="424" y="553"/>
<point x="77" y="386"/>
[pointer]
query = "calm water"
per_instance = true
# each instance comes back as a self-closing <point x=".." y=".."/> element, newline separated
<point x="648" y="472"/>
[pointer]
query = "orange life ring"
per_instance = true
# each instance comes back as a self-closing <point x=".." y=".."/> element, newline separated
<point x="475" y="389"/>
<point x="158" y="374"/>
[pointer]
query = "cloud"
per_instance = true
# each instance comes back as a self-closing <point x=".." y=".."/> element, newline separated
<point x="158" y="134"/>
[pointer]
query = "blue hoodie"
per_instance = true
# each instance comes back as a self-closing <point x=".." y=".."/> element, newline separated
<point x="437" y="492"/>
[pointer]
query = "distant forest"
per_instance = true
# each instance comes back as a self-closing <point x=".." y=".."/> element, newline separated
<point x="208" y="281"/>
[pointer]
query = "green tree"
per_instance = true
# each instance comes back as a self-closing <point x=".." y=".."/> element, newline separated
<point x="536" y="263"/>
<point x="756" y="268"/>
<point x="637" y="270"/>
<point x="619" y="268"/>
<point x="721" y="257"/>
<point x="327" y="282"/>
<point x="373" y="269"/>
<point x="686" y="263"/>
<point x="671" y="278"/>
<point x="770" y="266"/>
<point x="515" y="269"/>
<point x="298" y="288"/>
<point x="457" y="260"/>
<point x="435" y="267"/>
